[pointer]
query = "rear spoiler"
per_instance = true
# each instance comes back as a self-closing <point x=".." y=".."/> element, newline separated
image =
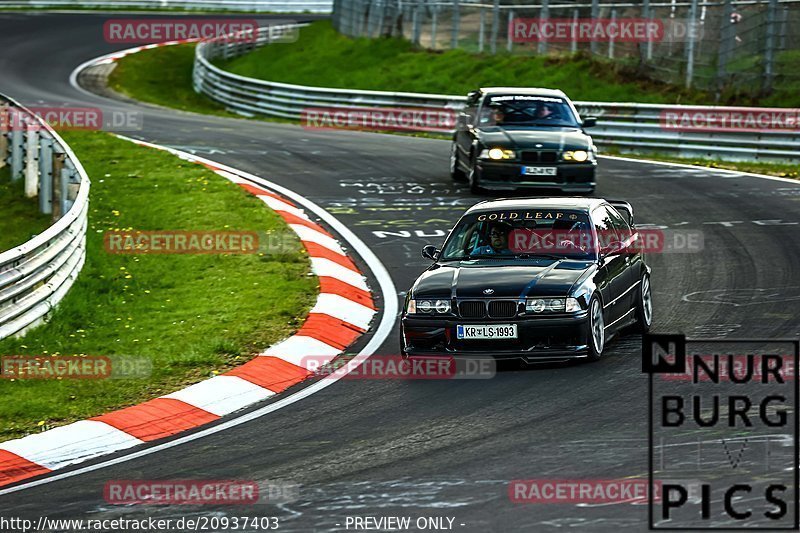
<point x="624" y="208"/>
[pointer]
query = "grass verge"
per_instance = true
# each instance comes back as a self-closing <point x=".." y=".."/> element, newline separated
<point x="192" y="316"/>
<point x="21" y="218"/>
<point x="163" y="76"/>
<point x="395" y="64"/>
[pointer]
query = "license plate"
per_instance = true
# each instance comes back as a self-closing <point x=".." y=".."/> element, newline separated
<point x="495" y="331"/>
<point x="539" y="171"/>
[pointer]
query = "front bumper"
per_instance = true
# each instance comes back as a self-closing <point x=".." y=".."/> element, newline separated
<point x="506" y="175"/>
<point x="540" y="339"/>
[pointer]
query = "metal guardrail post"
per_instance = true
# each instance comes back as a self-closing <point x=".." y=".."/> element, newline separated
<point x="727" y="40"/>
<point x="544" y="14"/>
<point x="3" y="134"/>
<point x="691" y="36"/>
<point x="456" y="24"/>
<point x="45" y="158"/>
<point x="647" y="14"/>
<point x="595" y="15"/>
<point x="31" y="153"/>
<point x="482" y="31"/>
<point x="510" y="31"/>
<point x="573" y="45"/>
<point x="434" y="23"/>
<point x="495" y="26"/>
<point x="769" y="47"/>
<point x="611" y="39"/>
<point x="55" y="183"/>
<point x="17" y="144"/>
<point x="416" y="21"/>
<point x="46" y="182"/>
<point x="67" y="174"/>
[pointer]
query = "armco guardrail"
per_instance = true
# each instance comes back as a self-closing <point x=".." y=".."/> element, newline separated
<point x="628" y="127"/>
<point x="272" y="6"/>
<point x="35" y="276"/>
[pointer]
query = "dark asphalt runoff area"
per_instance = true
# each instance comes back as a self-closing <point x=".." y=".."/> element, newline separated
<point x="443" y="448"/>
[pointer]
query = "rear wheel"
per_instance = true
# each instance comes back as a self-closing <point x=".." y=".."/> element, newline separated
<point x="644" y="306"/>
<point x="597" y="333"/>
<point x="456" y="173"/>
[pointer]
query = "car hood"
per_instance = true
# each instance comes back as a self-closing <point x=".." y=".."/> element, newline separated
<point x="524" y="138"/>
<point x="469" y="279"/>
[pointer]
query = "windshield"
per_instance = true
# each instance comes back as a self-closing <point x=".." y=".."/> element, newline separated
<point x="533" y="111"/>
<point x="522" y="234"/>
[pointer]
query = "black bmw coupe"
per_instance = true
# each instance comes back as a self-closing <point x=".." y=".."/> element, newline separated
<point x="511" y="138"/>
<point x="535" y="279"/>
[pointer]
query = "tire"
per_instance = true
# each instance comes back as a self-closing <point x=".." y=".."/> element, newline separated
<point x="474" y="187"/>
<point x="596" y="333"/>
<point x="456" y="173"/>
<point x="403" y="352"/>
<point x="644" y="306"/>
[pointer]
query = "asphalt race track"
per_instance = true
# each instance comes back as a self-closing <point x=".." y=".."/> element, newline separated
<point x="434" y="448"/>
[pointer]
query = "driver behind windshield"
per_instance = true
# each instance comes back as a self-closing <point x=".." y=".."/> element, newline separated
<point x="548" y="111"/>
<point x="498" y="241"/>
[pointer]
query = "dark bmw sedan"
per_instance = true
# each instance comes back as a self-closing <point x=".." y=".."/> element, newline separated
<point x="510" y="138"/>
<point x="541" y="279"/>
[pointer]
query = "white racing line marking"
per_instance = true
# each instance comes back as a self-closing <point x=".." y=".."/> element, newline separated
<point x="734" y="173"/>
<point x="390" y="311"/>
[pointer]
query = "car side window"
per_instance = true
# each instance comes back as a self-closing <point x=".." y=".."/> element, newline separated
<point x="618" y="223"/>
<point x="603" y="224"/>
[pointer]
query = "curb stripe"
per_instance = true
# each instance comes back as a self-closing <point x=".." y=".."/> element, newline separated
<point x="158" y="418"/>
<point x="331" y="285"/>
<point x="222" y="395"/>
<point x="344" y="309"/>
<point x="325" y="267"/>
<point x="330" y="330"/>
<point x="294" y="220"/>
<point x="320" y="252"/>
<point x="70" y="444"/>
<point x="270" y="372"/>
<point x="14" y="468"/>
<point x="256" y="191"/>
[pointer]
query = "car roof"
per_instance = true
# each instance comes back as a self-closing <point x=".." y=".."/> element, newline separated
<point x="533" y="91"/>
<point x="578" y="203"/>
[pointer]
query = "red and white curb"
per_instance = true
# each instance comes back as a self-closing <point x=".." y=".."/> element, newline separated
<point x="343" y="311"/>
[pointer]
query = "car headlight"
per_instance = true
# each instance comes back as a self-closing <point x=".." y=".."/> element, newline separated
<point x="552" y="305"/>
<point x="497" y="154"/>
<point x="428" y="307"/>
<point x="579" y="156"/>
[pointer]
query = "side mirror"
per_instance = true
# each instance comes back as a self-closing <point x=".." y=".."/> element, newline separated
<point x="589" y="122"/>
<point x="430" y="252"/>
<point x="472" y="97"/>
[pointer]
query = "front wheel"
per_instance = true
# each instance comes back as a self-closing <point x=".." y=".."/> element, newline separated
<point x="456" y="173"/>
<point x="597" y="330"/>
<point x="474" y="184"/>
<point x="644" y="306"/>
